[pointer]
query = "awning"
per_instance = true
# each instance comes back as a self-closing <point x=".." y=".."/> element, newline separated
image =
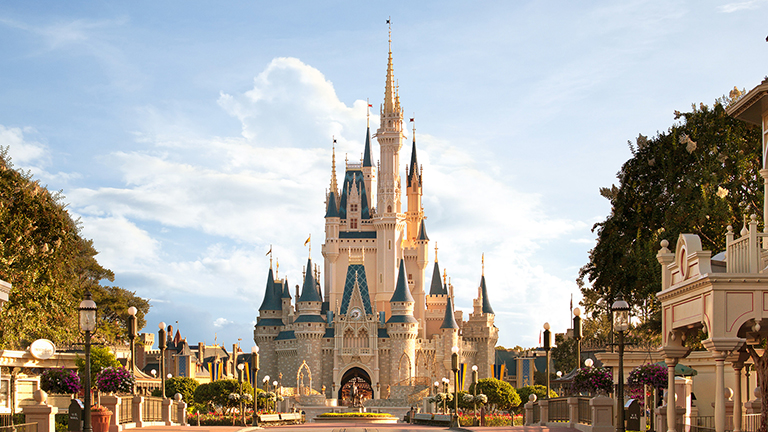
<point x="681" y="369"/>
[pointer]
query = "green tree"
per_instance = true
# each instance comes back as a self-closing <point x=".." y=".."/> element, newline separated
<point x="501" y="395"/>
<point x="539" y="390"/>
<point x="48" y="262"/>
<point x="101" y="357"/>
<point x="185" y="386"/>
<point x="697" y="177"/>
<point x="564" y="353"/>
<point x="216" y="394"/>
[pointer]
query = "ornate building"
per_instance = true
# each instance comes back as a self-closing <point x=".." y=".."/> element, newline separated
<point x="372" y="324"/>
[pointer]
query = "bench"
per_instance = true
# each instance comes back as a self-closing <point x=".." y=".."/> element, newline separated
<point x="269" y="418"/>
<point x="432" y="419"/>
<point x="290" y="417"/>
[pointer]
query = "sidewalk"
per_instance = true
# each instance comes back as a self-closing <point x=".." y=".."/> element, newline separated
<point x="351" y="427"/>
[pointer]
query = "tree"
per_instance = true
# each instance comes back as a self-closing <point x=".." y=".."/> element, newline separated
<point x="49" y="264"/>
<point x="185" y="386"/>
<point x="216" y="394"/>
<point x="539" y="390"/>
<point x="501" y="395"/>
<point x="698" y="177"/>
<point x="101" y="357"/>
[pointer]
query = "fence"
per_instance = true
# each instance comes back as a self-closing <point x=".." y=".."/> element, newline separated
<point x="153" y="409"/>
<point x="24" y="427"/>
<point x="126" y="410"/>
<point x="558" y="410"/>
<point x="585" y="411"/>
<point x="572" y="410"/>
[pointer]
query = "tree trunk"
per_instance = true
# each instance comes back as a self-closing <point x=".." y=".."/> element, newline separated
<point x="761" y="366"/>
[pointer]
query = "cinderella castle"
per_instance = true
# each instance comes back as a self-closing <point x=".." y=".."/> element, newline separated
<point x="371" y="326"/>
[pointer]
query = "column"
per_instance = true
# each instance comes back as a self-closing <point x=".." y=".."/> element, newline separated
<point x="671" y="363"/>
<point x="720" y="392"/>
<point x="737" y="405"/>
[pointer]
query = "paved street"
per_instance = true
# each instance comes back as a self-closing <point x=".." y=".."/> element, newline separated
<point x="348" y="427"/>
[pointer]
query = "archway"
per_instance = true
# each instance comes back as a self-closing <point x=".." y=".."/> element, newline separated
<point x="355" y="387"/>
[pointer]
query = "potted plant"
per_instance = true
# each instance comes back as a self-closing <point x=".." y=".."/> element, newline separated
<point x="100" y="417"/>
<point x="114" y="380"/>
<point x="592" y="380"/>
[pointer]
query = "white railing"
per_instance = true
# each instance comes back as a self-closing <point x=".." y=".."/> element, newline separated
<point x="747" y="254"/>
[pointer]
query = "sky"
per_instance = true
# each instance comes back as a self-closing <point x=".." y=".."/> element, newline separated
<point x="188" y="137"/>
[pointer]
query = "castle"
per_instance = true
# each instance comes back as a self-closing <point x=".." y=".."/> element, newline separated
<point x="372" y="327"/>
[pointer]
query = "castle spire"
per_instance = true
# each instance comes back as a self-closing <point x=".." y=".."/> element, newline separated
<point x="334" y="185"/>
<point x="390" y="89"/>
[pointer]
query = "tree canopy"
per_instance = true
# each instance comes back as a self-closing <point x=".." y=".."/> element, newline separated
<point x="697" y="177"/>
<point x="50" y="266"/>
<point x="501" y="395"/>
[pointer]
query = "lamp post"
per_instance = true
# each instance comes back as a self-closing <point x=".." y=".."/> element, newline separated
<point x="240" y="368"/>
<point x="88" y="325"/>
<point x="577" y="335"/>
<point x="265" y="381"/>
<point x="445" y="391"/>
<point x="559" y="383"/>
<point x="255" y="364"/>
<point x="161" y="346"/>
<point x="132" y="337"/>
<point x="547" y="347"/>
<point x="474" y="386"/>
<point x="455" y="369"/>
<point x="620" y="310"/>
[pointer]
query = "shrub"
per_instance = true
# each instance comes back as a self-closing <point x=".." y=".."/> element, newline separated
<point x="184" y="385"/>
<point x="501" y="395"/>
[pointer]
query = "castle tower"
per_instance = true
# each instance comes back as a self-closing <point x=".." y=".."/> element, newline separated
<point x="437" y="301"/>
<point x="417" y="241"/>
<point x="389" y="222"/>
<point x="268" y="325"/>
<point x="403" y="329"/>
<point x="481" y="330"/>
<point x="369" y="172"/>
<point x="309" y="326"/>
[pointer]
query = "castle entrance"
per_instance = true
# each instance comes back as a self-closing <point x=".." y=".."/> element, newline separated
<point x="355" y="387"/>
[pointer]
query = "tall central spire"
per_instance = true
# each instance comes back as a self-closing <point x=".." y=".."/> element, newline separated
<point x="390" y="88"/>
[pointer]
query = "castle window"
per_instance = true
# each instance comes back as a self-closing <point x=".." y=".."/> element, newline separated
<point x="353" y="223"/>
<point x="353" y="207"/>
<point x="389" y="209"/>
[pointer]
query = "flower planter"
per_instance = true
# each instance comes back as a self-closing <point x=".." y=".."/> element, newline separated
<point x="100" y="420"/>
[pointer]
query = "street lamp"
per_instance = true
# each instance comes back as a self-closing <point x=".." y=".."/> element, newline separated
<point x="455" y="369"/>
<point x="88" y="325"/>
<point x="255" y="364"/>
<point x="588" y="362"/>
<point x="474" y="386"/>
<point x="577" y="334"/>
<point x="240" y="367"/>
<point x="620" y="310"/>
<point x="132" y="337"/>
<point x="161" y="345"/>
<point x="445" y="390"/>
<point x="547" y="347"/>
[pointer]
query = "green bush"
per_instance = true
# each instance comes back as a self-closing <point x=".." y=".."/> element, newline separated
<point x="185" y="386"/>
<point x="501" y="395"/>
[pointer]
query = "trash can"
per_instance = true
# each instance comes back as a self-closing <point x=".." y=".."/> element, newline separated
<point x="632" y="415"/>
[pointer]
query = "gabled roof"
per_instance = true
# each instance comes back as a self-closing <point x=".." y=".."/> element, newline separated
<point x="354" y="178"/>
<point x="449" y="321"/>
<point x="437" y="288"/>
<point x="487" y="309"/>
<point x="367" y="153"/>
<point x="309" y="291"/>
<point x="402" y="293"/>
<point x="271" y="301"/>
<point x="422" y="232"/>
<point x="332" y="211"/>
<point x="349" y="286"/>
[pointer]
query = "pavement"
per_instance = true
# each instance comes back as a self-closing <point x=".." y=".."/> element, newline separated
<point x="351" y="427"/>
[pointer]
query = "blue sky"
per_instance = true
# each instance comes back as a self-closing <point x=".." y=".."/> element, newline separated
<point x="189" y="136"/>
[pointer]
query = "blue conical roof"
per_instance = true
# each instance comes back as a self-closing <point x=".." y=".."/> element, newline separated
<point x="487" y="309"/>
<point x="402" y="293"/>
<point x="413" y="172"/>
<point x="422" y="232"/>
<point x="286" y="291"/>
<point x="332" y="210"/>
<point x="271" y="301"/>
<point x="449" y="321"/>
<point x="367" y="154"/>
<point x="309" y="291"/>
<point x="437" y="288"/>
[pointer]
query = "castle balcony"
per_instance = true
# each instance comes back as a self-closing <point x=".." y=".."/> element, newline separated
<point x="356" y="351"/>
<point x="748" y="253"/>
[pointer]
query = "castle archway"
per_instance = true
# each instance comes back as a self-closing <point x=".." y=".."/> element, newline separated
<point x="355" y="387"/>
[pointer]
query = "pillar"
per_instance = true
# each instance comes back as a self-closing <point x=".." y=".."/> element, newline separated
<point x="138" y="411"/>
<point x="543" y="412"/>
<point x="113" y="404"/>
<point x="737" y="405"/>
<point x="602" y="414"/>
<point x="720" y="392"/>
<point x="167" y="404"/>
<point x="671" y="363"/>
<point x="41" y="413"/>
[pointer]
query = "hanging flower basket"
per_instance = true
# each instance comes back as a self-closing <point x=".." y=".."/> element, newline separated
<point x="648" y="374"/>
<point x="60" y="381"/>
<point x="114" y="380"/>
<point x="592" y="380"/>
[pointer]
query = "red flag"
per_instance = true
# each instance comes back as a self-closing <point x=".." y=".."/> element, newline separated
<point x="370" y="106"/>
<point x="411" y="119"/>
<point x="539" y="337"/>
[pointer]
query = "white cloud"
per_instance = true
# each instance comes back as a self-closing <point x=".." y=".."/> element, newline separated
<point x="739" y="6"/>
<point x="23" y="152"/>
<point x="221" y="322"/>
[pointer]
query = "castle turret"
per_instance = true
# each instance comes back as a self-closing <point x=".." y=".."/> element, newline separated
<point x="330" y="248"/>
<point x="481" y="331"/>
<point x="403" y="330"/>
<point x="369" y="172"/>
<point x="309" y="325"/>
<point x="436" y="300"/>
<point x="268" y="325"/>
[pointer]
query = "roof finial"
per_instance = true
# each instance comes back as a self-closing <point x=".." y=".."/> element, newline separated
<point x="270" y="256"/>
<point x="435" y="251"/>
<point x="309" y="242"/>
<point x="368" y="113"/>
<point x="483" y="260"/>
<point x="334" y="185"/>
<point x="277" y="268"/>
<point x="445" y="277"/>
<point x="413" y="120"/>
<point x="389" y="23"/>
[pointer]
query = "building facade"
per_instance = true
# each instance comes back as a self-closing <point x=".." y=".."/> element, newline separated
<point x="371" y="325"/>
